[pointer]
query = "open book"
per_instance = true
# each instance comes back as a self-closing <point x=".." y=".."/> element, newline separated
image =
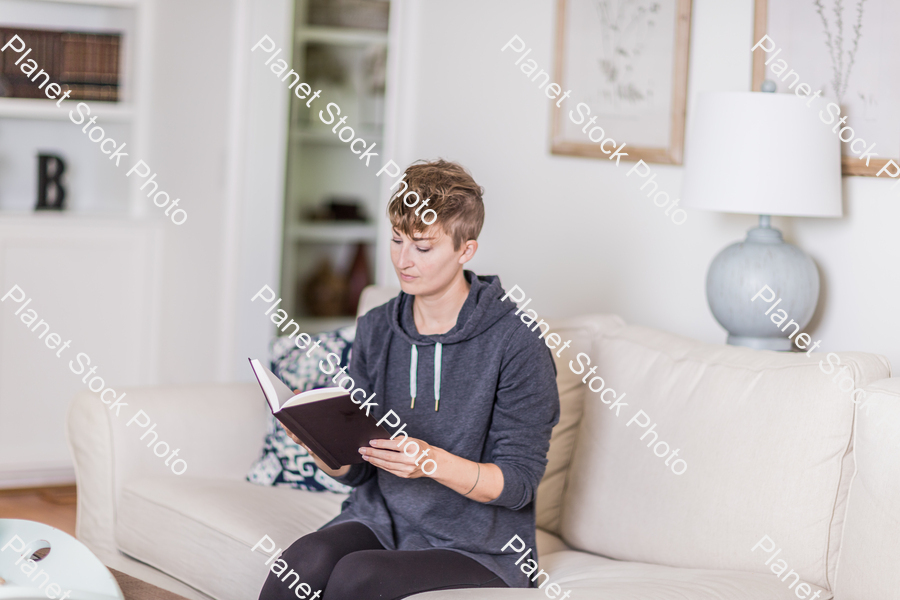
<point x="326" y="420"/>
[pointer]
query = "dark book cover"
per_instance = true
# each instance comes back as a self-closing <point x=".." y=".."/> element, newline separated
<point x="330" y="424"/>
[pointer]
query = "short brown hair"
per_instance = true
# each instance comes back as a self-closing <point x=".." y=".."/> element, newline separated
<point x="452" y="194"/>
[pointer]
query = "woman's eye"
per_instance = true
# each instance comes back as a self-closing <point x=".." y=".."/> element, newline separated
<point x="423" y="250"/>
<point x="396" y="241"/>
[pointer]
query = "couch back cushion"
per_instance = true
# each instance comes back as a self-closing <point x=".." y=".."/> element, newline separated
<point x="581" y="332"/>
<point x="766" y="442"/>
<point x="374" y="295"/>
<point x="870" y="549"/>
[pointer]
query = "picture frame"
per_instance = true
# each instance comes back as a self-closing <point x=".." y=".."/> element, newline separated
<point x="864" y="69"/>
<point x="634" y="80"/>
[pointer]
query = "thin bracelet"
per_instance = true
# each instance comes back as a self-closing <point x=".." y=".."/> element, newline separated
<point x="477" y="477"/>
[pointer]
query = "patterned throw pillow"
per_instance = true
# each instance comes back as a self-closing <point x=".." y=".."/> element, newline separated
<point x="284" y="463"/>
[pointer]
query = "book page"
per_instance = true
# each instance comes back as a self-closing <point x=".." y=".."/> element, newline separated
<point x="276" y="392"/>
<point x="315" y="396"/>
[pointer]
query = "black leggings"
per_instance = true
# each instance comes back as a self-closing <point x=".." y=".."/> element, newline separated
<point x="347" y="562"/>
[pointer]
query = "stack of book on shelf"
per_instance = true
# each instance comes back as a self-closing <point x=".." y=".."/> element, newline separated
<point x="87" y="64"/>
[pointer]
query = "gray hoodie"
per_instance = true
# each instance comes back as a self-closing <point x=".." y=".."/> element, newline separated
<point x="496" y="382"/>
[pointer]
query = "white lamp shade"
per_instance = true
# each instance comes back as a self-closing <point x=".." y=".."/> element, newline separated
<point x="762" y="153"/>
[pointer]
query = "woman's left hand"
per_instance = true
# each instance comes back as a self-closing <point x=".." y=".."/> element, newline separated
<point x="386" y="454"/>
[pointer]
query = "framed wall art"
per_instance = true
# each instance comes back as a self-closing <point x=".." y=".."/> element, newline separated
<point x="627" y="61"/>
<point x="848" y="49"/>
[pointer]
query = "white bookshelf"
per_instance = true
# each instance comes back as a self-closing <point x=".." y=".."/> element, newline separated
<point x="338" y="35"/>
<point x="325" y="137"/>
<point x="331" y="233"/>
<point x="30" y="126"/>
<point x="321" y="167"/>
<point x="92" y="269"/>
<point x="29" y="108"/>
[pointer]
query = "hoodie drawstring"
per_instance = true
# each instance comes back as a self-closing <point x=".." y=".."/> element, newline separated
<point x="437" y="375"/>
<point x="413" y="365"/>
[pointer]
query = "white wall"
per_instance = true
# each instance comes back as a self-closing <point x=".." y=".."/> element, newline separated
<point x="188" y="117"/>
<point x="217" y="136"/>
<point x="575" y="233"/>
<point x="261" y="122"/>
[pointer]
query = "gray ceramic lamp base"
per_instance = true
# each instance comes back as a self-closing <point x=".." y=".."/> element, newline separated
<point x="741" y="270"/>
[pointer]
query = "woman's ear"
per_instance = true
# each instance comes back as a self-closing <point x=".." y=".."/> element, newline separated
<point x="469" y="249"/>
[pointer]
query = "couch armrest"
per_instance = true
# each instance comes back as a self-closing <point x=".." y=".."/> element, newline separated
<point x="869" y="550"/>
<point x="217" y="430"/>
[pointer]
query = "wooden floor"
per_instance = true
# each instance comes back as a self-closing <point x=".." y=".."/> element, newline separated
<point x="53" y="506"/>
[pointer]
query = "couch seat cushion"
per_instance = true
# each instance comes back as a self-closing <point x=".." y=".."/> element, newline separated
<point x="201" y="530"/>
<point x="589" y="576"/>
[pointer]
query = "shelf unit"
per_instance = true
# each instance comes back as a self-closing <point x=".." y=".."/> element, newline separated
<point x="29" y="126"/>
<point x="93" y="269"/>
<point x="325" y="137"/>
<point x="338" y="35"/>
<point x="32" y="108"/>
<point x="320" y="166"/>
<point x="312" y="232"/>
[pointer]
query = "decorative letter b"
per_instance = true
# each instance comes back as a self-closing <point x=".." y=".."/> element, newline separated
<point x="51" y="194"/>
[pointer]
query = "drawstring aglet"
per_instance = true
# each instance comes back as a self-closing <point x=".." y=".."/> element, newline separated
<point x="413" y="403"/>
<point x="436" y="400"/>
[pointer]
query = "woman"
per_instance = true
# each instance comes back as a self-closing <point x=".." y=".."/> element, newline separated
<point x="477" y="390"/>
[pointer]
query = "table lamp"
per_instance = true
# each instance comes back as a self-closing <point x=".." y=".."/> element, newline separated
<point x="764" y="154"/>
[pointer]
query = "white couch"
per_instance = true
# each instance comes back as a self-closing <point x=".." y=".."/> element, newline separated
<point x="773" y="448"/>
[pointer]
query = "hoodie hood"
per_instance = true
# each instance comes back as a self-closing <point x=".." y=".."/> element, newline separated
<point x="481" y="309"/>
